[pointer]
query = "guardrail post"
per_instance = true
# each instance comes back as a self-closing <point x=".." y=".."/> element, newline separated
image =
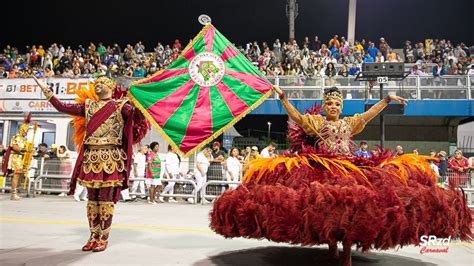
<point x="38" y="178"/>
<point x="322" y="87"/>
<point x="277" y="83"/>
<point x="468" y="80"/>
<point x="202" y="192"/>
<point x="28" y="186"/>
<point x="418" y="89"/>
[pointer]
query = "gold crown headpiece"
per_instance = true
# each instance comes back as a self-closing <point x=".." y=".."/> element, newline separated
<point x="24" y="128"/>
<point x="106" y="81"/>
<point x="333" y="95"/>
<point x="26" y="124"/>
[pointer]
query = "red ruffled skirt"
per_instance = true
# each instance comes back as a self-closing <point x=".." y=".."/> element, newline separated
<point x="313" y="200"/>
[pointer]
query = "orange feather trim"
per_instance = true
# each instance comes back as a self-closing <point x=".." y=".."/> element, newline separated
<point x="260" y="167"/>
<point x="407" y="163"/>
<point x="79" y="122"/>
<point x="399" y="168"/>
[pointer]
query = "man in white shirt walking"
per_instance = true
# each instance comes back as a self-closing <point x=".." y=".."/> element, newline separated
<point x="139" y="166"/>
<point x="173" y="171"/>
<point x="200" y="170"/>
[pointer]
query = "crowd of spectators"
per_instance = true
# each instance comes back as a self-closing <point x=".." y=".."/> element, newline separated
<point x="310" y="58"/>
<point x="60" y="61"/>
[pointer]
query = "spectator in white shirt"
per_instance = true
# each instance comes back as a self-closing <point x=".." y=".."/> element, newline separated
<point x="139" y="166"/>
<point x="200" y="170"/>
<point x="434" y="167"/>
<point x="172" y="162"/>
<point x="268" y="151"/>
<point x="471" y="162"/>
<point x="137" y="171"/>
<point x="234" y="167"/>
<point x="416" y="71"/>
<point x="471" y="70"/>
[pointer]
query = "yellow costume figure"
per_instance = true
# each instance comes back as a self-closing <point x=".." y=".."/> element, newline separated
<point x="15" y="156"/>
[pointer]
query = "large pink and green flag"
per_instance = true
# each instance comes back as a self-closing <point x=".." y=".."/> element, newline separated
<point x="207" y="89"/>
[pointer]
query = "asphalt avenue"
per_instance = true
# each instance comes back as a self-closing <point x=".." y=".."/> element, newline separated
<point x="49" y="230"/>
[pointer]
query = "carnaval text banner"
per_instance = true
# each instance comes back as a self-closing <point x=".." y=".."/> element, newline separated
<point x="20" y="105"/>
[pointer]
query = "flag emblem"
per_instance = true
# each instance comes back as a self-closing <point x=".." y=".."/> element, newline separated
<point x="206" y="69"/>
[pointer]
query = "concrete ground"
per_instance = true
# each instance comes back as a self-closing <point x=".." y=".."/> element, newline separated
<point x="49" y="230"/>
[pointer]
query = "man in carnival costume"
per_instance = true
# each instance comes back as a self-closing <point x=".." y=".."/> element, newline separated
<point x="105" y="129"/>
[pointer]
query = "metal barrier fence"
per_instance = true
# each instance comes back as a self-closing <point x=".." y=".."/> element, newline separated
<point x="221" y="186"/>
<point x="5" y="181"/>
<point x="413" y="87"/>
<point x="469" y="194"/>
<point x="216" y="183"/>
<point x="181" y="189"/>
<point x="54" y="176"/>
<point x="215" y="172"/>
<point x="135" y="184"/>
<point x="6" y="184"/>
<point x="301" y="87"/>
<point x="462" y="181"/>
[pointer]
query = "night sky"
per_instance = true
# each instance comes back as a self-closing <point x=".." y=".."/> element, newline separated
<point x="75" y="22"/>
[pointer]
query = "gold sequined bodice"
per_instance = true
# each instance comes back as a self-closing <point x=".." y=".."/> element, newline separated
<point x="337" y="135"/>
<point x="333" y="136"/>
<point x="103" y="152"/>
<point x="110" y="132"/>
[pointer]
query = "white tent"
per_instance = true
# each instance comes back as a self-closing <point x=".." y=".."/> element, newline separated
<point x="229" y="135"/>
<point x="231" y="131"/>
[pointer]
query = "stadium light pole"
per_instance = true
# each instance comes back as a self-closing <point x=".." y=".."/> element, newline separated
<point x="351" y="21"/>
<point x="291" y="14"/>
<point x="269" y="127"/>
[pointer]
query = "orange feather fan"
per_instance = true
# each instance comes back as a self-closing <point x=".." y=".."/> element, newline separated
<point x="79" y="122"/>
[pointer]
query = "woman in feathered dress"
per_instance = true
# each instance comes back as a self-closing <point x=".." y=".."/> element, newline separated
<point x="319" y="192"/>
